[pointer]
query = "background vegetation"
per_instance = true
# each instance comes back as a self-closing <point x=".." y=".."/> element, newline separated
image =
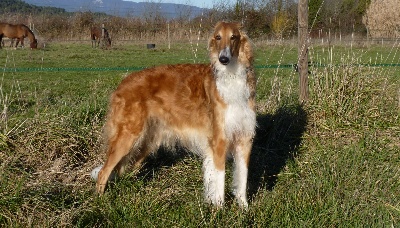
<point x="263" y="19"/>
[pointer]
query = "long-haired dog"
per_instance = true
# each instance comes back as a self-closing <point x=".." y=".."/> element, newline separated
<point x="208" y="109"/>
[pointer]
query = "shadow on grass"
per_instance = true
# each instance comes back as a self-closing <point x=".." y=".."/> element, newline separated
<point x="163" y="158"/>
<point x="277" y="140"/>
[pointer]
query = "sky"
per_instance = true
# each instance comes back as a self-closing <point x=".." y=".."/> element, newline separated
<point x="198" y="3"/>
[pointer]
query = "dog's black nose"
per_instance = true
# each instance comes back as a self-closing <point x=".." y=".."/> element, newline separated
<point x="224" y="60"/>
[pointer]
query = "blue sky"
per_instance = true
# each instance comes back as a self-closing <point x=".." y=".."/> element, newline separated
<point x="198" y="3"/>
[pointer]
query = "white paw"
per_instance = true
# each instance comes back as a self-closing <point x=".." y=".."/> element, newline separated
<point x="242" y="201"/>
<point x="214" y="200"/>
<point x="95" y="174"/>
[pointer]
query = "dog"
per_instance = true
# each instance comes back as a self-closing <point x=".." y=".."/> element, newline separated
<point x="208" y="109"/>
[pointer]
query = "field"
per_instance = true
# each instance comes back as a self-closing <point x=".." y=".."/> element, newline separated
<point x="332" y="162"/>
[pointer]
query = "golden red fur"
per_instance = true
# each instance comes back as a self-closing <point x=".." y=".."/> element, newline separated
<point x="208" y="109"/>
<point x="18" y="32"/>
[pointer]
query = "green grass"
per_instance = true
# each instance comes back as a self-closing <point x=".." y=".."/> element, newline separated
<point x="333" y="162"/>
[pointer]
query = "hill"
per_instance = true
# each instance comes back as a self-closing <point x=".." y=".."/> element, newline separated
<point x="18" y="6"/>
<point x="122" y="8"/>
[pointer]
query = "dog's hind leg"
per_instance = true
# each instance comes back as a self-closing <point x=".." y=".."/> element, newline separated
<point x="121" y="166"/>
<point x="118" y="149"/>
<point x="138" y="155"/>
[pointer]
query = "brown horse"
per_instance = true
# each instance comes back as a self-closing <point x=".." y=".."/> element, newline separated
<point x="18" y="32"/>
<point x="11" y="42"/>
<point x="97" y="34"/>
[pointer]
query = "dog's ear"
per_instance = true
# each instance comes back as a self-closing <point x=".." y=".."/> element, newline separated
<point x="239" y="25"/>
<point x="246" y="47"/>
<point x="241" y="28"/>
<point x="218" y="24"/>
<point x="243" y="33"/>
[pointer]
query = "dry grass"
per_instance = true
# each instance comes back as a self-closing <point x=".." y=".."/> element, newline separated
<point x="333" y="162"/>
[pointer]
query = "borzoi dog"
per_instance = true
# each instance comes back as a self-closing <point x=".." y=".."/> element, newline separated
<point x="209" y="109"/>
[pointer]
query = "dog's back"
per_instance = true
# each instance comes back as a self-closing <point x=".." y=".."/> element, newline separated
<point x="167" y="103"/>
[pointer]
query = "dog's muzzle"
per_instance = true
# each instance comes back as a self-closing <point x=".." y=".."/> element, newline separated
<point x="225" y="56"/>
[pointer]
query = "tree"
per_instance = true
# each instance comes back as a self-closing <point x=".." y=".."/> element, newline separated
<point x="280" y="24"/>
<point x="382" y="18"/>
<point x="314" y="12"/>
<point x="83" y="20"/>
<point x="18" y="6"/>
<point x="281" y="16"/>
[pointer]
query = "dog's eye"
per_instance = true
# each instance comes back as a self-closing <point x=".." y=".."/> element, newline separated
<point x="218" y="37"/>
<point x="233" y="37"/>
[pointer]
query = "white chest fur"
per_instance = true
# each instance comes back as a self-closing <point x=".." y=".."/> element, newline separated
<point x="232" y="86"/>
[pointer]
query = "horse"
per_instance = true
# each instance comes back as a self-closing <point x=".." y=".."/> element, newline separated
<point x="11" y="42"/>
<point x="18" y="32"/>
<point x="97" y="34"/>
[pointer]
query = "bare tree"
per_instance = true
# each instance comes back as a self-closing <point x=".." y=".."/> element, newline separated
<point x="154" y="20"/>
<point x="283" y="17"/>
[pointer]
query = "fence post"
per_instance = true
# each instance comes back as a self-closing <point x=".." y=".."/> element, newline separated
<point x="169" y="40"/>
<point x="102" y="36"/>
<point x="302" y="63"/>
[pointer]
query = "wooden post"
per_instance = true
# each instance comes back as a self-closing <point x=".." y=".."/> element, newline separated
<point x="102" y="36"/>
<point x="302" y="63"/>
<point x="169" y="41"/>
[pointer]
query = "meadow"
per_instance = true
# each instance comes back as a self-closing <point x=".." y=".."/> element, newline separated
<point x="331" y="162"/>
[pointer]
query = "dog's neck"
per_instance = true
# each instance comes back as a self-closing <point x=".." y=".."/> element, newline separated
<point x="232" y="83"/>
<point x="233" y="88"/>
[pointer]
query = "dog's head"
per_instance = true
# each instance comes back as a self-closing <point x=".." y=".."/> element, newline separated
<point x="229" y="43"/>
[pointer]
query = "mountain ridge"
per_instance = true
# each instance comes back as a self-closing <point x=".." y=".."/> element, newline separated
<point x="124" y="8"/>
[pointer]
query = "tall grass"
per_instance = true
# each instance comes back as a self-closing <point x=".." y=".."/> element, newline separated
<point x="333" y="162"/>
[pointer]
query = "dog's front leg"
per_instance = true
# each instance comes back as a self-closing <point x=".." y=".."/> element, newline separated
<point x="241" y="156"/>
<point x="214" y="178"/>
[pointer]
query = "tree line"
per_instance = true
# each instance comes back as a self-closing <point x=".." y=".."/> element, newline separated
<point x="275" y="19"/>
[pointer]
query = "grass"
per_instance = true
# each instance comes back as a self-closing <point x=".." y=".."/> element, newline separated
<point x="333" y="162"/>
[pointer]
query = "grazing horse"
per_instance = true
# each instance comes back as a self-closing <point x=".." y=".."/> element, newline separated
<point x="97" y="34"/>
<point x="11" y="42"/>
<point x="18" y="32"/>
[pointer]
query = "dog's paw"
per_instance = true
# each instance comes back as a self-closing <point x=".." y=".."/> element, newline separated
<point x="95" y="172"/>
<point x="243" y="203"/>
